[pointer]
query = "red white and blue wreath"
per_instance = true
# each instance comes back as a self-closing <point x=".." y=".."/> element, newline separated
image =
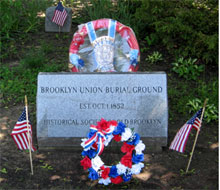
<point x="99" y="137"/>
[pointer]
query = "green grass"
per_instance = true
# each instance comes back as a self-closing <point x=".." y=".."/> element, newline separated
<point x="18" y="18"/>
<point x="16" y="82"/>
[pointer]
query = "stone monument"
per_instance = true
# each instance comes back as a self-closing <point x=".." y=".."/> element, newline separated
<point x="68" y="103"/>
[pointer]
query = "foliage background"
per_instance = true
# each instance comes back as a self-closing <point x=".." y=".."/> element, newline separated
<point x="178" y="37"/>
<point x="186" y="31"/>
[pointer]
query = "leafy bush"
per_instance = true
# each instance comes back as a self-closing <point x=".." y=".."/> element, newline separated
<point x="151" y="39"/>
<point x="186" y="28"/>
<point x="187" y="68"/>
<point x="180" y="95"/>
<point x="121" y="11"/>
<point x="211" y="112"/>
<point x="154" y="57"/>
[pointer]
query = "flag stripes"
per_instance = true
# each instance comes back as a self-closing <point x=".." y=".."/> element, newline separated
<point x="60" y="15"/>
<point x="21" y="140"/>
<point x="179" y="141"/>
<point x="20" y="133"/>
<point x="196" y="124"/>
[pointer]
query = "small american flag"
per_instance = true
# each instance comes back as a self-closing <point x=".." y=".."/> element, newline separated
<point x="60" y="15"/>
<point x="179" y="142"/>
<point x="20" y="133"/>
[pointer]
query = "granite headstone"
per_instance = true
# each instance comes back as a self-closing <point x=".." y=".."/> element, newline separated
<point x="68" y="103"/>
<point x="52" y="27"/>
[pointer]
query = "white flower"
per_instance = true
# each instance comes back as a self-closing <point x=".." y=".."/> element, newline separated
<point x="108" y="140"/>
<point x="126" y="134"/>
<point x="105" y="181"/>
<point x="112" y="128"/>
<point x="136" y="168"/>
<point x="139" y="147"/>
<point x="121" y="169"/>
<point x="97" y="163"/>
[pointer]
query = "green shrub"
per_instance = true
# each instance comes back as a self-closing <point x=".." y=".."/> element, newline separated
<point x="151" y="39"/>
<point x="211" y="111"/>
<point x="187" y="68"/>
<point x="187" y="28"/>
<point x="154" y="57"/>
<point x="122" y="11"/>
<point x="180" y="94"/>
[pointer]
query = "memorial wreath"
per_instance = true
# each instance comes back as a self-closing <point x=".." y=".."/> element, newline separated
<point x="100" y="136"/>
<point x="103" y="49"/>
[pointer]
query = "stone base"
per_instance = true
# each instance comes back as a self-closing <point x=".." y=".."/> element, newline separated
<point x="153" y="145"/>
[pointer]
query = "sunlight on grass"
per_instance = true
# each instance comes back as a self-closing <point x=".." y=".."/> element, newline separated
<point x="3" y="127"/>
<point x="144" y="176"/>
<point x="214" y="146"/>
<point x="55" y="177"/>
<point x="40" y="156"/>
<point x="83" y="177"/>
<point x="2" y="179"/>
<point x="2" y="135"/>
<point x="167" y="177"/>
<point x="41" y="14"/>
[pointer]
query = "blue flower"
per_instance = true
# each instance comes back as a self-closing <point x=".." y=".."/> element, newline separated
<point x="136" y="158"/>
<point x="133" y="62"/>
<point x="119" y="129"/>
<point x="74" y="59"/>
<point x="135" y="140"/>
<point x="133" y="54"/>
<point x="90" y="153"/>
<point x="113" y="172"/>
<point x="127" y="177"/>
<point x="81" y="63"/>
<point x="93" y="174"/>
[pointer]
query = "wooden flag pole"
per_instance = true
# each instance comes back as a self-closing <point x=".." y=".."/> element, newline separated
<point x="197" y="134"/>
<point x="29" y="141"/>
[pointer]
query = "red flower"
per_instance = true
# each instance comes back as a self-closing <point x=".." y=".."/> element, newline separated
<point x="103" y="124"/>
<point x="117" y="180"/>
<point x="117" y="138"/>
<point x="86" y="163"/>
<point x="113" y="122"/>
<point x="127" y="147"/>
<point x="126" y="160"/>
<point x="105" y="173"/>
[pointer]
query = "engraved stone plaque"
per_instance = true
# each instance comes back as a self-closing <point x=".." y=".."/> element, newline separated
<point x="68" y="103"/>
